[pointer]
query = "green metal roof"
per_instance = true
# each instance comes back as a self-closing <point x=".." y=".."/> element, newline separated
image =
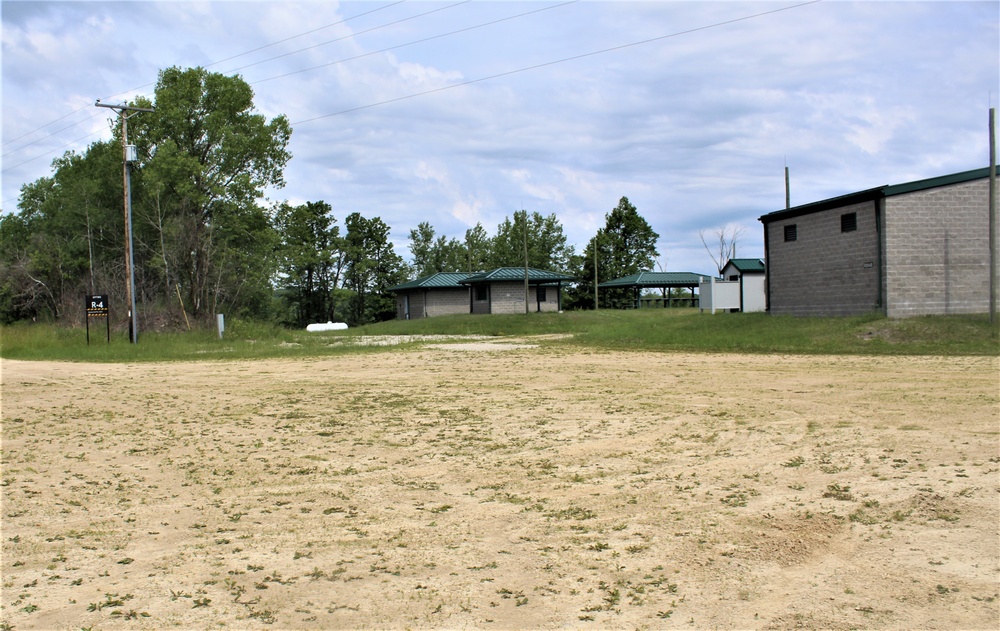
<point x="535" y="276"/>
<point x="747" y="266"/>
<point x="656" y="279"/>
<point x="441" y="280"/>
<point x="878" y="192"/>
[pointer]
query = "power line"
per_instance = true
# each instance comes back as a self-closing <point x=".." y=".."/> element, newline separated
<point x="72" y="142"/>
<point x="332" y="41"/>
<point x="214" y="63"/>
<point x="286" y="55"/>
<point x="51" y="134"/>
<point x="481" y="79"/>
<point x="315" y="30"/>
<point x="44" y="126"/>
<point x="557" y="61"/>
<point x="418" y="41"/>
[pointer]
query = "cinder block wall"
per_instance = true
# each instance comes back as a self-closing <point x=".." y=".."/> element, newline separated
<point x="551" y="302"/>
<point x="508" y="297"/>
<point x="447" y="302"/>
<point x="824" y="271"/>
<point x="416" y="305"/>
<point x="937" y="250"/>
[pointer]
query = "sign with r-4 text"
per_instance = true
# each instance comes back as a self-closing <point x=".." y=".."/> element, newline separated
<point x="97" y="306"/>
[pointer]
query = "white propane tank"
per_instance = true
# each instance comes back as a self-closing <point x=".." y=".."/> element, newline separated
<point x="329" y="326"/>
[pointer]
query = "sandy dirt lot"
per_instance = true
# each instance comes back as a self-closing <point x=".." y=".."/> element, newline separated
<point x="520" y="487"/>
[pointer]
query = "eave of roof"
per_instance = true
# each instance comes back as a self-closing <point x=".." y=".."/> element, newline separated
<point x="876" y="193"/>
<point x="656" y="279"/>
<point x="440" y="280"/>
<point x="501" y="274"/>
<point x="747" y="266"/>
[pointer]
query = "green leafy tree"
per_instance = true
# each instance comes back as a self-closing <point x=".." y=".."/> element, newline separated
<point x="208" y="157"/>
<point x="372" y="267"/>
<point x="312" y="261"/>
<point x="546" y="243"/>
<point x="478" y="249"/>
<point x="62" y="242"/>
<point x="626" y="245"/>
<point x="20" y="294"/>
<point x="432" y="255"/>
<point x="205" y="160"/>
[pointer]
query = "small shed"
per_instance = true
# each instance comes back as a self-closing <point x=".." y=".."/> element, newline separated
<point x="438" y="294"/>
<point x="742" y="287"/>
<point x="502" y="290"/>
<point x="666" y="282"/>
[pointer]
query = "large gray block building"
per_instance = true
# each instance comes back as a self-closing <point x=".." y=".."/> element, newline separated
<point x="919" y="248"/>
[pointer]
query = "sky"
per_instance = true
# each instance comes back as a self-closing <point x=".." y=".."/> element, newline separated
<point x="457" y="113"/>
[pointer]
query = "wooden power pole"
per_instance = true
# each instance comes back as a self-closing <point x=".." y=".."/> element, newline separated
<point x="124" y="113"/>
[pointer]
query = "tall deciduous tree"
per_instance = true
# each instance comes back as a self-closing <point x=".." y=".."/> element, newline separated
<point x="432" y="255"/>
<point x="63" y="243"/>
<point x="312" y="261"/>
<point x="372" y="267"/>
<point x="209" y="158"/>
<point x="546" y="243"/>
<point x="478" y="247"/>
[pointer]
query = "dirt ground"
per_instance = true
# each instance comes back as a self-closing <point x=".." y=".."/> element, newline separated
<point x="490" y="486"/>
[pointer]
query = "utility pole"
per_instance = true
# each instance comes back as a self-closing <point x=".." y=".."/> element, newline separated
<point x="128" y="156"/>
<point x="993" y="216"/>
<point x="598" y="236"/>
<point x="788" y="191"/>
<point x="525" y="214"/>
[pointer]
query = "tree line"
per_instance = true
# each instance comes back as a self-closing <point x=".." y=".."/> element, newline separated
<point x="203" y="243"/>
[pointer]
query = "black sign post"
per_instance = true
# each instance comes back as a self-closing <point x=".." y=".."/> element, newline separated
<point x="97" y="307"/>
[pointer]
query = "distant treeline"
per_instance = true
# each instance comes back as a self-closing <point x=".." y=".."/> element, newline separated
<point x="203" y="244"/>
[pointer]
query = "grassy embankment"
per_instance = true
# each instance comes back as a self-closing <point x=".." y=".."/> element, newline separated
<point x="648" y="329"/>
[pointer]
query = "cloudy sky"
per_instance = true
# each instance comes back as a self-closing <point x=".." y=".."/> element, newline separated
<point x="463" y="112"/>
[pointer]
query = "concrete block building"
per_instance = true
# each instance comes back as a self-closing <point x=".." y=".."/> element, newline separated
<point x="434" y="295"/>
<point x="919" y="248"/>
<point x="502" y="290"/>
<point x="497" y="291"/>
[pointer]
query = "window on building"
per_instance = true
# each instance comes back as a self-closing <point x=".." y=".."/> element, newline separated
<point x="791" y="232"/>
<point x="849" y="222"/>
<point x="482" y="292"/>
<point x="541" y="294"/>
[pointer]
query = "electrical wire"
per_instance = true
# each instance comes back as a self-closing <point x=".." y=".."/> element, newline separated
<point x="339" y="39"/>
<point x="557" y="61"/>
<point x="285" y="55"/>
<point x="418" y="41"/>
<point x="315" y="30"/>
<point x="489" y="77"/>
<point x="214" y="63"/>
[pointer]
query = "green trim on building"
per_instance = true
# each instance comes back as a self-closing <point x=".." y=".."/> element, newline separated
<point x="512" y="274"/>
<point x="655" y="279"/>
<point x="873" y="194"/>
<point x="441" y="280"/>
<point x="747" y="266"/>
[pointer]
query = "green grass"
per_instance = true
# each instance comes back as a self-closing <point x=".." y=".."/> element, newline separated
<point x="685" y="330"/>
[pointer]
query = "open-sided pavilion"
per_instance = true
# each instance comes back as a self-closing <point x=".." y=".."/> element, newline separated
<point x="666" y="282"/>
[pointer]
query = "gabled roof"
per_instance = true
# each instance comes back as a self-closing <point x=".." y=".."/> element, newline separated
<point x="656" y="279"/>
<point x="878" y="192"/>
<point x="501" y="274"/>
<point x="747" y="266"/>
<point x="441" y="280"/>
